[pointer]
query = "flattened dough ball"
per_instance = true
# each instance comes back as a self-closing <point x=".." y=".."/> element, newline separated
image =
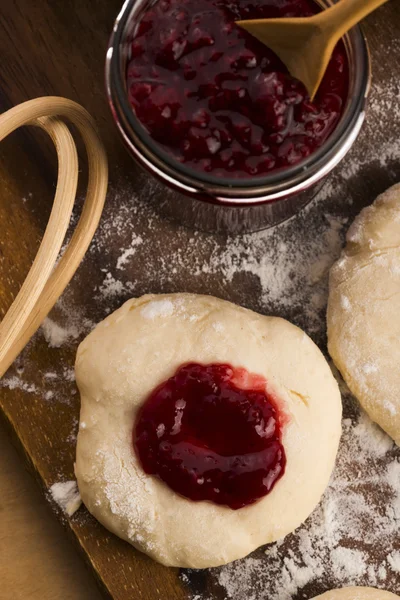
<point x="143" y="344"/>
<point x="364" y="311"/>
<point x="357" y="593"/>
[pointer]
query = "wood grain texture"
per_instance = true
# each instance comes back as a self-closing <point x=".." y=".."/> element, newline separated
<point x="58" y="48"/>
<point x="38" y="562"/>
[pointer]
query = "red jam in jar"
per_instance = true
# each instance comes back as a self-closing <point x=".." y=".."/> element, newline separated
<point x="212" y="432"/>
<point x="217" y="99"/>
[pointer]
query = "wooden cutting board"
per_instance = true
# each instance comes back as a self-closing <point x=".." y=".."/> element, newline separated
<point x="58" y="48"/>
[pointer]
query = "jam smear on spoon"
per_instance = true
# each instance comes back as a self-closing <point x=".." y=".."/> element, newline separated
<point x="212" y="432"/>
<point x="217" y="99"/>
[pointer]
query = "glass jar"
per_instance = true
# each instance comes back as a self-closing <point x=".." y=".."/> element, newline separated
<point x="232" y="205"/>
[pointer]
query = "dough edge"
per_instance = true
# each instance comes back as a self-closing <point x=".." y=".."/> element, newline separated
<point x="374" y="234"/>
<point x="357" y="593"/>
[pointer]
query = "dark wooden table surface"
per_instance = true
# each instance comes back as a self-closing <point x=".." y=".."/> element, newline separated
<point x="57" y="47"/>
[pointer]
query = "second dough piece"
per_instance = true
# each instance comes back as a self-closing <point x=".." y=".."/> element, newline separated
<point x="364" y="311"/>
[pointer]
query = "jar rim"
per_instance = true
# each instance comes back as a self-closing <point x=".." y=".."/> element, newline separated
<point x="269" y="187"/>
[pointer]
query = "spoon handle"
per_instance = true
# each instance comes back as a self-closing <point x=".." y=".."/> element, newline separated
<point x="345" y="14"/>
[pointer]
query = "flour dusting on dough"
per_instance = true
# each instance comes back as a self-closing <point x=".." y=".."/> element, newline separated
<point x="157" y="308"/>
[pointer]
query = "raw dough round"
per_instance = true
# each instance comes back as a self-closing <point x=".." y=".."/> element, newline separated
<point x="357" y="593"/>
<point x="141" y="345"/>
<point x="364" y="311"/>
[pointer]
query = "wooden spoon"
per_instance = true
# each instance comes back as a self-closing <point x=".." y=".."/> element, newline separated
<point x="305" y="45"/>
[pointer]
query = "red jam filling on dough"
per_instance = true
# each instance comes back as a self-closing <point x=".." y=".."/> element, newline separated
<point x="212" y="432"/>
<point x="217" y="99"/>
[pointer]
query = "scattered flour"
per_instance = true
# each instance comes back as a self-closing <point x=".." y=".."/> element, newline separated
<point x="55" y="335"/>
<point x="394" y="561"/>
<point x="68" y="374"/>
<point x="114" y="288"/>
<point x="66" y="495"/>
<point x="50" y="375"/>
<point x="371" y="437"/>
<point x="14" y="382"/>
<point x="111" y="286"/>
<point x="351" y="537"/>
<point x="348" y="562"/>
<point x="123" y="259"/>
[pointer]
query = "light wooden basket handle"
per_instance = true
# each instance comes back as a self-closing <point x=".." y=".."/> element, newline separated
<point x="45" y="282"/>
